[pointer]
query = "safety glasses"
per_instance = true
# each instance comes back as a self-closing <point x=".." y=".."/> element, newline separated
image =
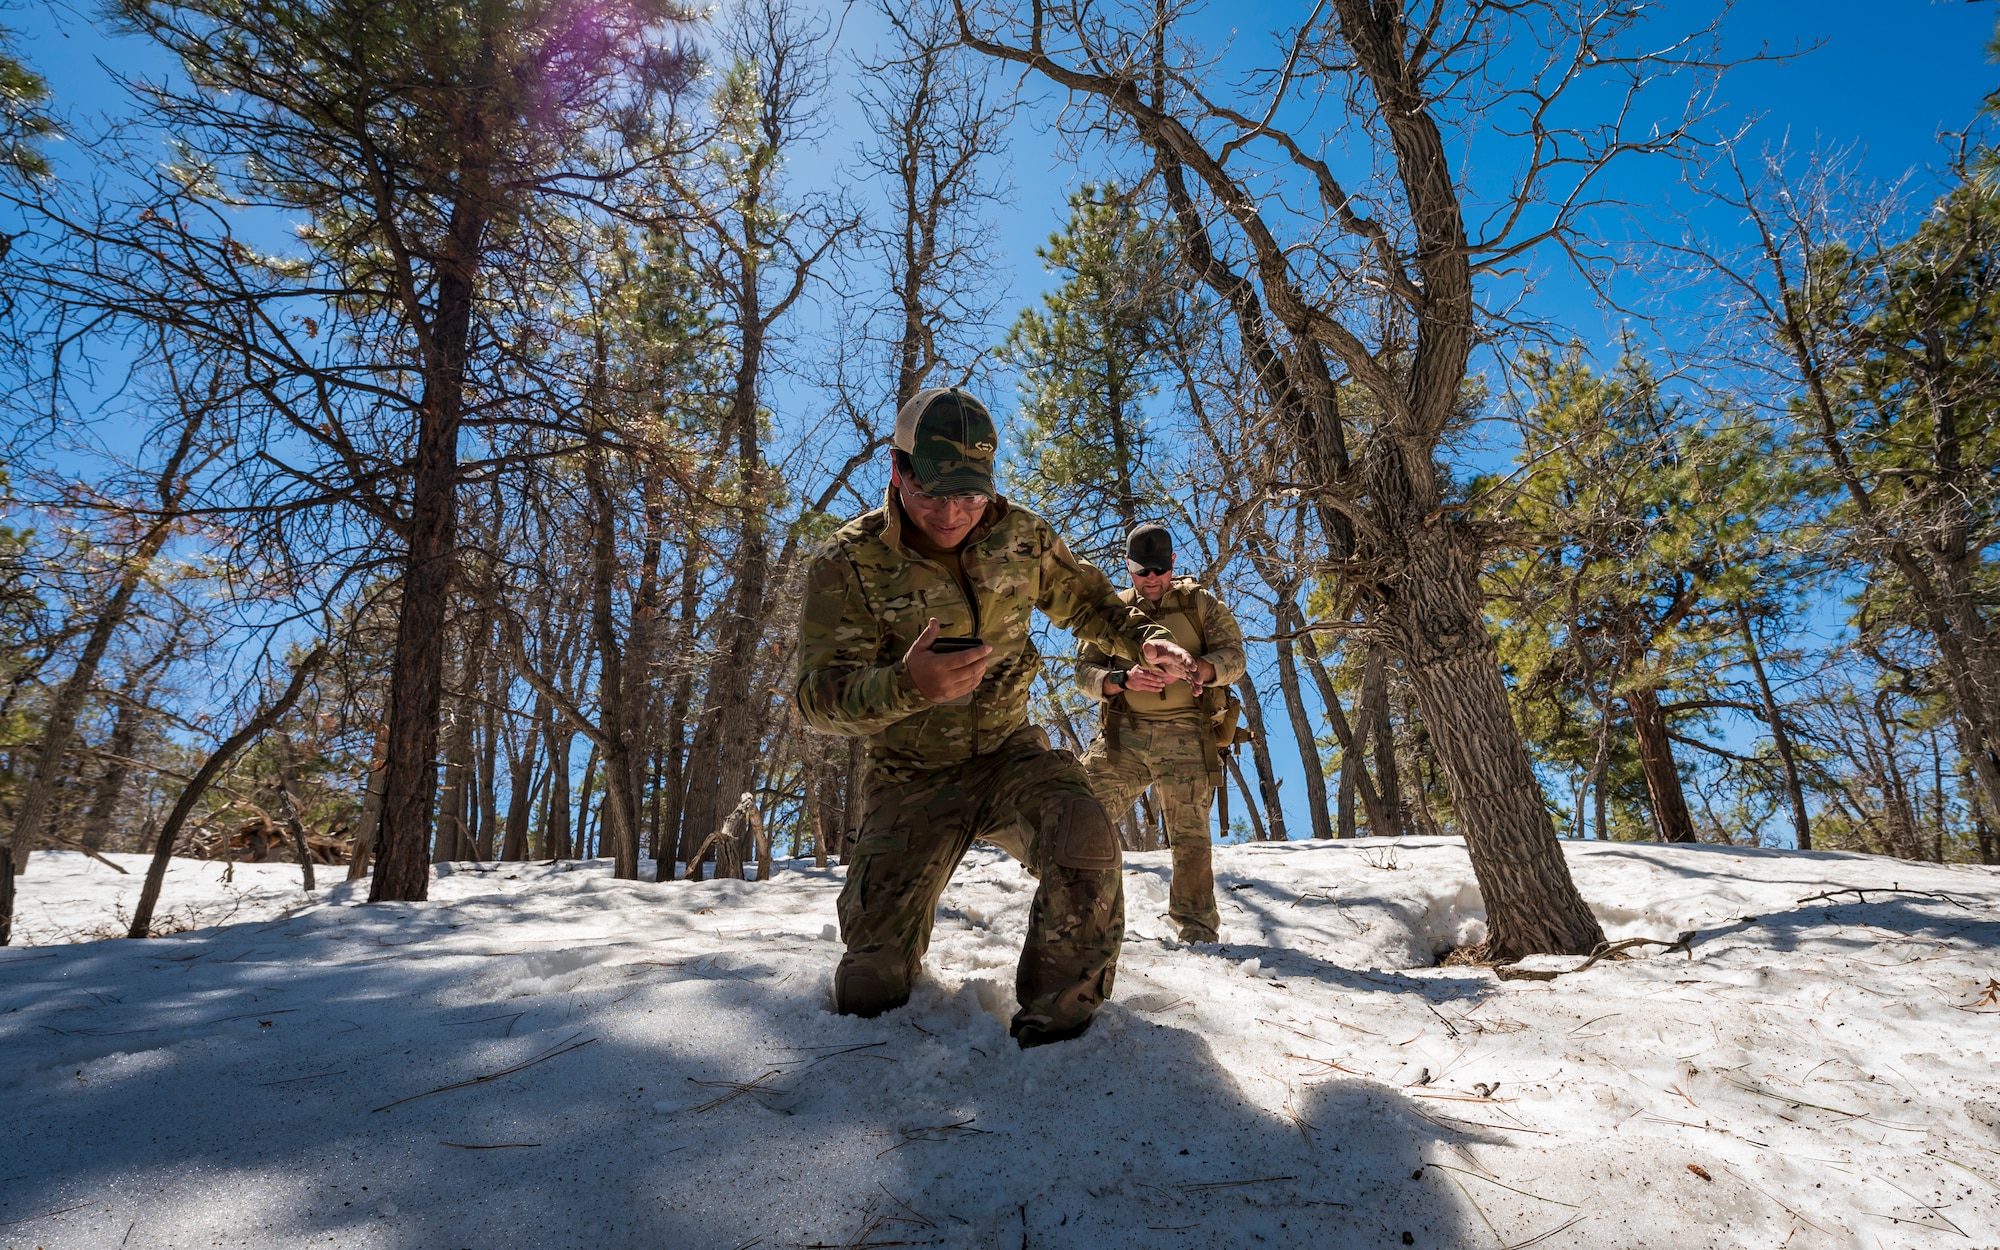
<point x="1146" y="570"/>
<point x="963" y="501"/>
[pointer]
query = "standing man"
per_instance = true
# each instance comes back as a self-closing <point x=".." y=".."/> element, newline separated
<point x="1161" y="730"/>
<point x="915" y="634"/>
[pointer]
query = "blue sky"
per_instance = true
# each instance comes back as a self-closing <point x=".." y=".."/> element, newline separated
<point x="1887" y="76"/>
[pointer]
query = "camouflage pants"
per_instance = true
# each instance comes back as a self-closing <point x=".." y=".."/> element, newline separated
<point x="1033" y="803"/>
<point x="1167" y="755"/>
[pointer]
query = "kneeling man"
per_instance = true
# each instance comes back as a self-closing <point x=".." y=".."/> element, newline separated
<point x="916" y="633"/>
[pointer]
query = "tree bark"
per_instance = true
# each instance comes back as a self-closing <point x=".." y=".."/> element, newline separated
<point x="586" y="848"/>
<point x="1656" y="758"/>
<point x="416" y="674"/>
<point x="1532" y="904"/>
<point x="619" y="812"/>
<point x="1420" y="804"/>
<point x="1344" y="804"/>
<point x="488" y="754"/>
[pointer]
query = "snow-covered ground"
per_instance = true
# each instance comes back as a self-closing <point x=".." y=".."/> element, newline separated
<point x="543" y="1056"/>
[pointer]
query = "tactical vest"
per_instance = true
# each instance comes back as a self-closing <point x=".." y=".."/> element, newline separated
<point x="1184" y="610"/>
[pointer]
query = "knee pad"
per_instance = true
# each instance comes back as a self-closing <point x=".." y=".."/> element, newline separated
<point x="861" y="988"/>
<point x="1080" y="835"/>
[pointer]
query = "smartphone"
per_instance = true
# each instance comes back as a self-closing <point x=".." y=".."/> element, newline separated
<point x="946" y="646"/>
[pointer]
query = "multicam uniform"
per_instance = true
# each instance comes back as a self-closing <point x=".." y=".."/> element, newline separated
<point x="1160" y="739"/>
<point x="942" y="775"/>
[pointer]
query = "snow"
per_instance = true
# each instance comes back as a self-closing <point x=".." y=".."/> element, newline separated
<point x="674" y="1078"/>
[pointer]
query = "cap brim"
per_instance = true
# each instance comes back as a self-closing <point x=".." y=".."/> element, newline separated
<point x="959" y="481"/>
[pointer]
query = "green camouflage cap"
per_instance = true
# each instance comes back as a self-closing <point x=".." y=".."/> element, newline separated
<point x="949" y="438"/>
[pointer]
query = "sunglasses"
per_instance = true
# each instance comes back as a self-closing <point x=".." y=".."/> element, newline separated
<point x="1147" y="570"/>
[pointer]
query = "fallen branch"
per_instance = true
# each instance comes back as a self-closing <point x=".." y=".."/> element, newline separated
<point x="1862" y="894"/>
<point x="1605" y="950"/>
<point x="561" y="1048"/>
<point x="1685" y="942"/>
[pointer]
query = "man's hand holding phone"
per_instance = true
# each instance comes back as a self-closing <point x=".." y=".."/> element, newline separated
<point x="946" y="669"/>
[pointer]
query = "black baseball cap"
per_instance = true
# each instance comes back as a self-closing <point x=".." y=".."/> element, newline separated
<point x="1150" y="547"/>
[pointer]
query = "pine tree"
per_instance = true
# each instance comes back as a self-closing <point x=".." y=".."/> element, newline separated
<point x="1089" y="359"/>
<point x="1635" y="529"/>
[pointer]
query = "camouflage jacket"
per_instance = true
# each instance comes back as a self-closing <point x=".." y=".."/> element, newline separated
<point x="1221" y="638"/>
<point x="868" y="596"/>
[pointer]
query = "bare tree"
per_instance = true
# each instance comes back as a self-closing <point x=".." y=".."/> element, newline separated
<point x="1878" y="339"/>
<point x="1386" y="296"/>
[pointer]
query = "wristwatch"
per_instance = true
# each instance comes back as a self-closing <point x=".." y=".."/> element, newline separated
<point x="1121" y="676"/>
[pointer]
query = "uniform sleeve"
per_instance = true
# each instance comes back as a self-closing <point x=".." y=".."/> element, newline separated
<point x="1225" y="642"/>
<point x="1092" y="667"/>
<point x="1078" y="597"/>
<point x="841" y="686"/>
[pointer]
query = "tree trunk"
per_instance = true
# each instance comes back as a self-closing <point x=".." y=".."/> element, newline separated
<point x="1350" y="764"/>
<point x="371" y="808"/>
<point x="295" y="808"/>
<point x="521" y="786"/>
<point x="767" y="863"/>
<point x="454" y="840"/>
<point x="1420" y="803"/>
<point x="1782" y="740"/>
<point x="673" y="780"/>
<point x="1656" y="757"/>
<point x="416" y="674"/>
<point x="489" y="766"/>
<point x="1302" y="732"/>
<point x="32" y="815"/>
<point x="1260" y="755"/>
<point x="1438" y="619"/>
<point x="1127" y="501"/>
<point x="701" y="818"/>
<point x="586" y="847"/>
<point x="1982" y="833"/>
<point x="556" y="830"/>
<point x="1387" y="820"/>
<point x="1352" y="739"/>
<point x="618" y="813"/>
<point x="156" y="872"/>
<point x="111" y="783"/>
<point x="1249" y="804"/>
